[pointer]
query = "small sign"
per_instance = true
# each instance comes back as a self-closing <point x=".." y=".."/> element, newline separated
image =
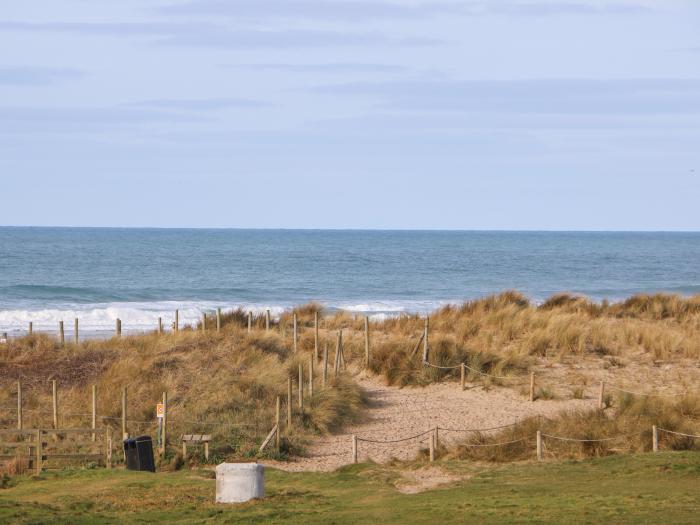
<point x="160" y="411"/>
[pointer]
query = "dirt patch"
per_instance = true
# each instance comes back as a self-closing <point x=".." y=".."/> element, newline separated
<point x="426" y="478"/>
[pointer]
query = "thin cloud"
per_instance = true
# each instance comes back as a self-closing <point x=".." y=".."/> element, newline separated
<point x="36" y="76"/>
<point x="204" y="104"/>
<point x="348" y="67"/>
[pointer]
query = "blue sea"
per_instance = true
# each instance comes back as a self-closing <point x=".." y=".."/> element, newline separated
<point x="137" y="275"/>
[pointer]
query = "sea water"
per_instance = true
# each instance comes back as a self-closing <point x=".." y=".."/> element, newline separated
<point x="138" y="275"/>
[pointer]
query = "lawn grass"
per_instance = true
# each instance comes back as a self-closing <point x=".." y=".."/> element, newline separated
<point x="649" y="488"/>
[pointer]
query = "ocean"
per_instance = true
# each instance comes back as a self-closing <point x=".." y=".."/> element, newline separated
<point x="137" y="275"/>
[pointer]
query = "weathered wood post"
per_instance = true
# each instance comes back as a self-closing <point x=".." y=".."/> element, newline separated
<point x="39" y="451"/>
<point x="54" y="396"/>
<point x="164" y="427"/>
<point x="75" y="330"/>
<point x="250" y="321"/>
<point x="301" y="387"/>
<point x="311" y="376"/>
<point x="532" y="386"/>
<point x="654" y="438"/>
<point x="366" y="341"/>
<point x="462" y="375"/>
<point x="295" y="333"/>
<point x="316" y="335"/>
<point x="61" y="334"/>
<point x="277" y="424"/>
<point x="289" y="405"/>
<point x="160" y="326"/>
<point x="354" y="448"/>
<point x="425" y="339"/>
<point x="118" y="328"/>
<point x="204" y="321"/>
<point x="176" y="325"/>
<point x="338" y="349"/>
<point x="601" y="396"/>
<point x="218" y="319"/>
<point x="31" y="328"/>
<point x="539" y="446"/>
<point x="125" y="434"/>
<point x="267" y="320"/>
<point x="94" y="411"/>
<point x="325" y="365"/>
<point x="431" y="444"/>
<point x="108" y="440"/>
<point x="19" y="405"/>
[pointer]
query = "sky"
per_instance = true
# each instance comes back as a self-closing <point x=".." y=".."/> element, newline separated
<point x="379" y="114"/>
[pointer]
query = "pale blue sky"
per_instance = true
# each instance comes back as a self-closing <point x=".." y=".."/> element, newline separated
<point x="471" y="114"/>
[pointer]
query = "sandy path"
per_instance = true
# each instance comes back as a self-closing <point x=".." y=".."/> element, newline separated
<point x="400" y="412"/>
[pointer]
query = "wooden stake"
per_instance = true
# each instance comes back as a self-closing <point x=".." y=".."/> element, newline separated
<point x="366" y="341"/>
<point x="164" y="426"/>
<point x="19" y="405"/>
<point x="462" y="376"/>
<point x="39" y="451"/>
<point x="338" y="344"/>
<point x="425" y="340"/>
<point x="277" y="424"/>
<point x="204" y="321"/>
<point x="601" y="396"/>
<point x="31" y="327"/>
<point x="295" y="333"/>
<point x="108" y="440"/>
<point x="431" y="443"/>
<point x="301" y="387"/>
<point x="118" y="328"/>
<point x="654" y="438"/>
<point x="316" y="335"/>
<point x="311" y="376"/>
<point x="160" y="326"/>
<point x="94" y="411"/>
<point x="125" y="434"/>
<point x="176" y="325"/>
<point x="61" y="335"/>
<point x="54" y="395"/>
<point x="354" y="448"/>
<point x="325" y="365"/>
<point x="532" y="386"/>
<point x="289" y="405"/>
<point x="75" y="329"/>
<point x="218" y="319"/>
<point x="250" y="323"/>
<point x="539" y="446"/>
<point x="267" y="319"/>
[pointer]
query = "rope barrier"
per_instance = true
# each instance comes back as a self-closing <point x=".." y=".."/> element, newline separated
<point x="479" y="429"/>
<point x="495" y="444"/>
<point x="394" y="440"/>
<point x="678" y="433"/>
<point x="576" y="440"/>
<point x="645" y="394"/>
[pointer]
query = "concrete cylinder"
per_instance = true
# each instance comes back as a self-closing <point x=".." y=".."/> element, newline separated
<point x="239" y="482"/>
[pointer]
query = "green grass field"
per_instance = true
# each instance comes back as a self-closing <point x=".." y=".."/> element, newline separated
<point x="661" y="488"/>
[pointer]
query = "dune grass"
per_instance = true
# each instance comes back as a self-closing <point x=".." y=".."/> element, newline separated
<point x="660" y="488"/>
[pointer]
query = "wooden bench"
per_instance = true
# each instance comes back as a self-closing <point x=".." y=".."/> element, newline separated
<point x="196" y="440"/>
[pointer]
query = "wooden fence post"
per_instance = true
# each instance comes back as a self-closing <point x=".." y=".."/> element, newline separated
<point x="539" y="446"/>
<point x="311" y="376"/>
<point x="277" y="424"/>
<point x="532" y="386"/>
<point x="218" y="319"/>
<point x="164" y="427"/>
<point x="267" y="319"/>
<point x="250" y="321"/>
<point x="654" y="438"/>
<point x="289" y="404"/>
<point x="54" y="395"/>
<point x="19" y="405"/>
<point x="61" y="334"/>
<point x="118" y="328"/>
<point x="94" y="410"/>
<point x="325" y="366"/>
<point x="601" y="396"/>
<point x="31" y="328"/>
<point x="462" y="377"/>
<point x="160" y="326"/>
<point x="316" y="335"/>
<point x="39" y="451"/>
<point x="295" y="333"/>
<point x="366" y="341"/>
<point x="75" y="329"/>
<point x="108" y="441"/>
<point x="354" y="448"/>
<point x="425" y="339"/>
<point x="204" y="321"/>
<point x="301" y="387"/>
<point x="338" y="347"/>
<point x="176" y="325"/>
<point x="431" y="444"/>
<point x="125" y="434"/>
